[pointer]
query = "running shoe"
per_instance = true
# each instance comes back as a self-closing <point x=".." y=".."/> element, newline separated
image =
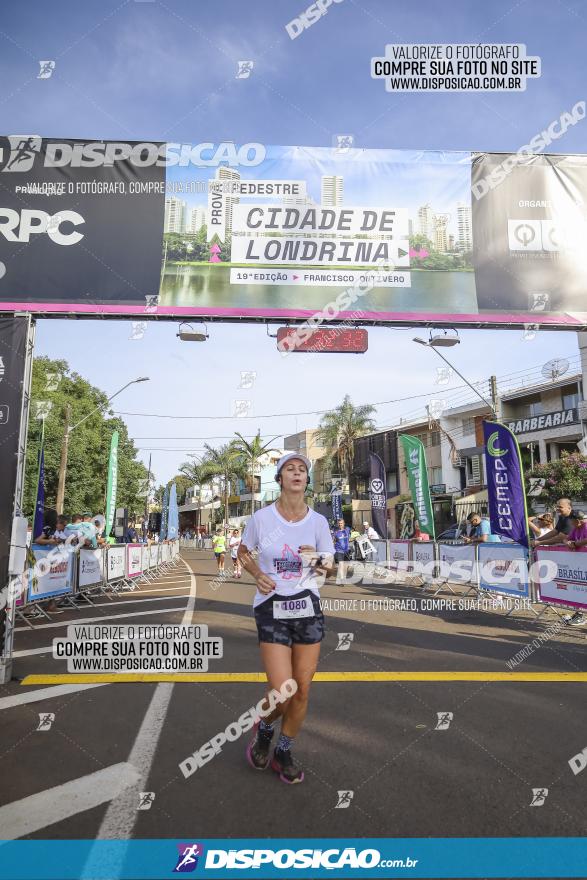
<point x="284" y="764"/>
<point x="258" y="749"/>
<point x="577" y="619"/>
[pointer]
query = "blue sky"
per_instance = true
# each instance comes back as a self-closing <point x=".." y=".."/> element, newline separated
<point x="167" y="71"/>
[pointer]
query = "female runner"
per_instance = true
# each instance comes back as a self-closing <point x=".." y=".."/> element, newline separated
<point x="295" y="554"/>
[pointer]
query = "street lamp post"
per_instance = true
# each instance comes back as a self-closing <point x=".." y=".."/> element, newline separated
<point x="67" y="432"/>
<point x="449" y="341"/>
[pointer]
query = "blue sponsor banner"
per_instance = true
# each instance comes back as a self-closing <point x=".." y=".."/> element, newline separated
<point x="55" y="579"/>
<point x="331" y="857"/>
<point x="503" y="568"/>
<point x="505" y="483"/>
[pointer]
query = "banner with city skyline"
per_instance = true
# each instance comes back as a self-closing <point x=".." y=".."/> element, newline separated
<point x="268" y="232"/>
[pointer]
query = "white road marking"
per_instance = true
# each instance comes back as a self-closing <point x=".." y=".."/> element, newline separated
<point x="136" y="601"/>
<point x="100" y="618"/>
<point x="53" y="805"/>
<point x="121" y="816"/>
<point x="45" y="694"/>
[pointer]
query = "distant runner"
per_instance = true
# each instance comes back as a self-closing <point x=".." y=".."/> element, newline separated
<point x="234" y="543"/>
<point x="295" y="553"/>
<point x="219" y="547"/>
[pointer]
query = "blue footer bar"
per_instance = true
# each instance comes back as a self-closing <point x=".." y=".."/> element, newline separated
<point x="550" y="857"/>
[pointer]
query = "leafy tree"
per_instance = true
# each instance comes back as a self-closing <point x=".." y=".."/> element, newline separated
<point x="251" y="452"/>
<point x="197" y="473"/>
<point x="338" y="431"/>
<point x="89" y="444"/>
<point x="565" y="478"/>
<point x="226" y="463"/>
<point x="420" y="241"/>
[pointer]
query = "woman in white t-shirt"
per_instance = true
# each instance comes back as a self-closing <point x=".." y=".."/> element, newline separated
<point x="234" y="543"/>
<point x="294" y="554"/>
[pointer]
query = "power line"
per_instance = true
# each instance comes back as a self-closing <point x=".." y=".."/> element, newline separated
<point x="313" y="412"/>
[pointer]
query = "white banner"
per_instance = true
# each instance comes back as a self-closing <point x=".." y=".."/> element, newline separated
<point x="55" y="582"/>
<point x="399" y="551"/>
<point x="345" y="221"/>
<point x="461" y="560"/>
<point x="503" y="568"/>
<point x="216" y="212"/>
<point x="165" y="555"/>
<point x="90" y="567"/>
<point x="423" y="556"/>
<point x="569" y="584"/>
<point x="321" y="252"/>
<point x="320" y="277"/>
<point x="145" y="557"/>
<point x="153" y="555"/>
<point x="115" y="565"/>
<point x="133" y="560"/>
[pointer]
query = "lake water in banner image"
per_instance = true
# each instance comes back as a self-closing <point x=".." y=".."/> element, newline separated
<point x="209" y="288"/>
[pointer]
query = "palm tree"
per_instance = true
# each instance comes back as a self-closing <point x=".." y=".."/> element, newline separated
<point x="339" y="429"/>
<point x="226" y="463"/>
<point x="199" y="474"/>
<point x="251" y="453"/>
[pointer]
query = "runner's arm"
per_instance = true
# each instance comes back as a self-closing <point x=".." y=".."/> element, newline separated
<point x="246" y="559"/>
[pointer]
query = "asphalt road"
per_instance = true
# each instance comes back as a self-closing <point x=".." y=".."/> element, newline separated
<point x="376" y="739"/>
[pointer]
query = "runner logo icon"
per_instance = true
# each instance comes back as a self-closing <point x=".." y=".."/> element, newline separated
<point x="187" y="861"/>
<point x="22" y="152"/>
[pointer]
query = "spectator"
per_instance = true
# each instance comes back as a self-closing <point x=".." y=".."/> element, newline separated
<point x="481" y="531"/>
<point x="541" y="525"/>
<point x="563" y="525"/>
<point x="419" y="535"/>
<point x="99" y="524"/>
<point x="341" y="537"/>
<point x="370" y="532"/>
<point x="60" y="535"/>
<point x="73" y="530"/>
<point x="88" y="530"/>
<point x="46" y="536"/>
<point x="577" y="539"/>
<point x="130" y="535"/>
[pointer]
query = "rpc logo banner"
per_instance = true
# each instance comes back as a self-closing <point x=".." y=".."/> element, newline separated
<point x="505" y="483"/>
<point x="93" y="217"/>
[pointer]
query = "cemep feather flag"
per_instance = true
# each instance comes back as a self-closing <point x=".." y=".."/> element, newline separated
<point x="505" y="483"/>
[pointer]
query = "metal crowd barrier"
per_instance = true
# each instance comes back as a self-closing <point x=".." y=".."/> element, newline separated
<point x="74" y="576"/>
<point x="501" y="568"/>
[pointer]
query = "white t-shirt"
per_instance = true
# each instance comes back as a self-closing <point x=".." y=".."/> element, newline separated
<point x="234" y="544"/>
<point x="278" y="542"/>
<point x="371" y="534"/>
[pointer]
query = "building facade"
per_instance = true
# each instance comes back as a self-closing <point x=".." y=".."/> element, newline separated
<point x="546" y="419"/>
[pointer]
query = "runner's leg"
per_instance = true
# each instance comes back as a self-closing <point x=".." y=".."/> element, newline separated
<point x="304" y="662"/>
<point x="277" y="661"/>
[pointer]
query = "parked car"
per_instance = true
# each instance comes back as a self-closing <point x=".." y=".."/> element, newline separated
<point x="450" y="534"/>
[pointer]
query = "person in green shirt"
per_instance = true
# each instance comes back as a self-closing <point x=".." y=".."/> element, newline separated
<point x="219" y="547"/>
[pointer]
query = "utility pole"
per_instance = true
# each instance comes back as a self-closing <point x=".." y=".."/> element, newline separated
<point x="495" y="397"/>
<point x="63" y="463"/>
